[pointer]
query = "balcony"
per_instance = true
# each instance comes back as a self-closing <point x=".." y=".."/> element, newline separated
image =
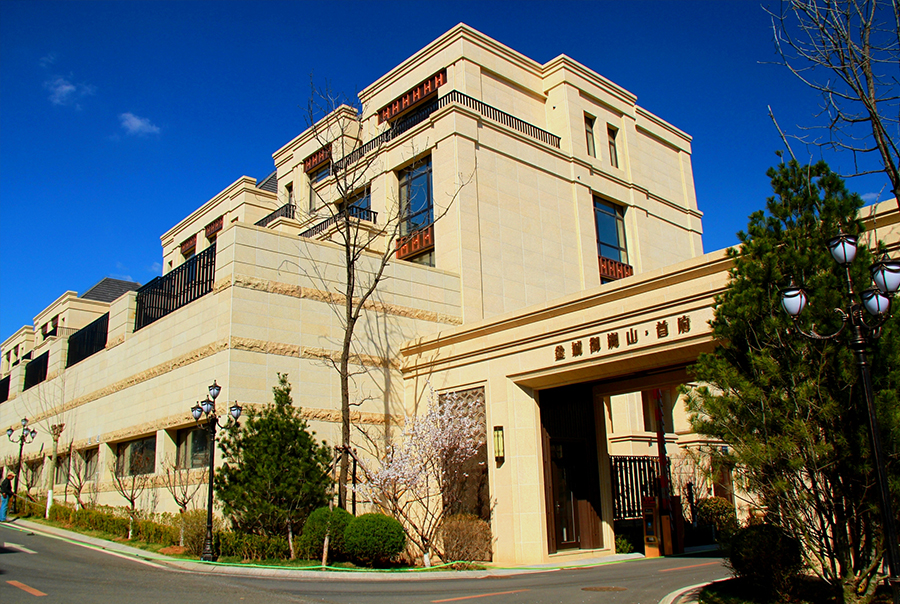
<point x="610" y="270"/>
<point x="176" y="288"/>
<point x="88" y="340"/>
<point x="454" y="96"/>
<point x="364" y="214"/>
<point x="288" y="210"/>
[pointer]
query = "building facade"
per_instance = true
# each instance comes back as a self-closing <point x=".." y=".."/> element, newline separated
<point x="545" y="259"/>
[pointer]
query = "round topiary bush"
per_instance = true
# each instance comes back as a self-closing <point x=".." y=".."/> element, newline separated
<point x="312" y="539"/>
<point x="718" y="512"/>
<point x="767" y="556"/>
<point x="374" y="539"/>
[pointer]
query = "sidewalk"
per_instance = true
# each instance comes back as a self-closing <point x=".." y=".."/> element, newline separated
<point x="687" y="595"/>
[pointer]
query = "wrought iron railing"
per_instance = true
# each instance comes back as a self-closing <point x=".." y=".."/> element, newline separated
<point x="36" y="371"/>
<point x="288" y="210"/>
<point x="353" y="212"/>
<point x="633" y="478"/>
<point x="88" y="340"/>
<point x="454" y="96"/>
<point x="176" y="288"/>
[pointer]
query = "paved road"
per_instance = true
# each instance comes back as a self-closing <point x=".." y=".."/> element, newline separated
<point x="33" y="564"/>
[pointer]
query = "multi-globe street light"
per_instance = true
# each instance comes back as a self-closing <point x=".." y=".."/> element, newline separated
<point x="877" y="303"/>
<point x="25" y="436"/>
<point x="207" y="408"/>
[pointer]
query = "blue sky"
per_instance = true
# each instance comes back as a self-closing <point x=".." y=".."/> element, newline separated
<point x="117" y="119"/>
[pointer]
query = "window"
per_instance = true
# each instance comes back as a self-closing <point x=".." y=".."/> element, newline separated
<point x="613" y="154"/>
<point x="650" y="410"/>
<point x="193" y="448"/>
<point x="359" y="204"/>
<point x="62" y="470"/>
<point x="90" y="457"/>
<point x="416" y="196"/>
<point x="610" y="222"/>
<point x="136" y="457"/>
<point x="315" y="178"/>
<point x="589" y="135"/>
<point x="289" y="192"/>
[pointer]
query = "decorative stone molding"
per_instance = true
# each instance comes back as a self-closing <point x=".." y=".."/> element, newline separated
<point x="119" y="339"/>
<point x="296" y="291"/>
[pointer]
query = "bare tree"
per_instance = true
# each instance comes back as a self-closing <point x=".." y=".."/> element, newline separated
<point x="849" y="52"/>
<point x="130" y="485"/>
<point x="183" y="487"/>
<point x="338" y="125"/>
<point x="82" y="478"/>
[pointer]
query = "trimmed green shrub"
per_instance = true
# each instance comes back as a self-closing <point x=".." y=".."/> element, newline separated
<point x="153" y="532"/>
<point x="374" y="539"/>
<point x="311" y="542"/>
<point x="767" y="556"/>
<point x="466" y="538"/>
<point x="195" y="530"/>
<point x="623" y="545"/>
<point x="719" y="513"/>
<point x="252" y="547"/>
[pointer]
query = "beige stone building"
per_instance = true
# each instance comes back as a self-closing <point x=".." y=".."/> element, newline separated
<point x="545" y="259"/>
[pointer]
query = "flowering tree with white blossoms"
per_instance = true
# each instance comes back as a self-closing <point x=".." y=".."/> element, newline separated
<point x="421" y="476"/>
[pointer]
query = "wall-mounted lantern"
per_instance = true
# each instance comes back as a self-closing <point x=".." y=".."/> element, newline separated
<point x="499" y="445"/>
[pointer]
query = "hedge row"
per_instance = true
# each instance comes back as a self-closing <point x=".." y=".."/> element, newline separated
<point x="113" y="524"/>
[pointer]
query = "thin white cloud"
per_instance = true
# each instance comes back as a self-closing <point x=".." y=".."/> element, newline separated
<point x="47" y="60"/>
<point x="137" y="125"/>
<point x="870" y="197"/>
<point x="122" y="277"/>
<point x="156" y="268"/>
<point x="63" y="92"/>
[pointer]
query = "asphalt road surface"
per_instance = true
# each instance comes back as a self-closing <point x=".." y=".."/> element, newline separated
<point x="40" y="569"/>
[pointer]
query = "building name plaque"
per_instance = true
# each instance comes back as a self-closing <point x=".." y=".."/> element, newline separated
<point x="623" y="338"/>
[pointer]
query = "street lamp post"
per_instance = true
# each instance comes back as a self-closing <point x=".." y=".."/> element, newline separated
<point x="25" y="436"/>
<point x="877" y="303"/>
<point x="207" y="408"/>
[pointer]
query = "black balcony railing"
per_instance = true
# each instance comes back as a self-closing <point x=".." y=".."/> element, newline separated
<point x="176" y="288"/>
<point x="633" y="478"/>
<point x="88" y="340"/>
<point x="353" y="212"/>
<point x="454" y="96"/>
<point x="36" y="371"/>
<point x="4" y="389"/>
<point x="288" y="210"/>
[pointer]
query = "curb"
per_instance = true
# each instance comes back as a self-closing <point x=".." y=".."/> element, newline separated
<point x="689" y="594"/>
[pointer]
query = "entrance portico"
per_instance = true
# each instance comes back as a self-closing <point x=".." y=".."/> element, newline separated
<point x="564" y="380"/>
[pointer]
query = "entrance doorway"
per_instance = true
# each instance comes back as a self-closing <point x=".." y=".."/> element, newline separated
<point x="571" y="467"/>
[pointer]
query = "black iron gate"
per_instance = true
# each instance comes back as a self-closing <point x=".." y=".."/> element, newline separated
<point x="634" y="477"/>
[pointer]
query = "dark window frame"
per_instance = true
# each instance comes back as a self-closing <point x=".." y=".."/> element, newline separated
<point x="609" y="211"/>
<point x="589" y="135"/>
<point x="138" y="455"/>
<point x="611" y="133"/>
<point x="416" y="185"/>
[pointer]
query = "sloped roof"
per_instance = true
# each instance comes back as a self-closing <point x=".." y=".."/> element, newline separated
<point x="108" y="289"/>
<point x="270" y="183"/>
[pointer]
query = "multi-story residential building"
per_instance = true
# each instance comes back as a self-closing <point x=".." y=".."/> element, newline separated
<point x="545" y="261"/>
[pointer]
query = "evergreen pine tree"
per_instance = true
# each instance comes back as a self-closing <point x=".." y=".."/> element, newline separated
<point x="275" y="472"/>
<point x="790" y="409"/>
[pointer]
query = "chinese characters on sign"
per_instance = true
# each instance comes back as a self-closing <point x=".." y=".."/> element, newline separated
<point x="632" y="337"/>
